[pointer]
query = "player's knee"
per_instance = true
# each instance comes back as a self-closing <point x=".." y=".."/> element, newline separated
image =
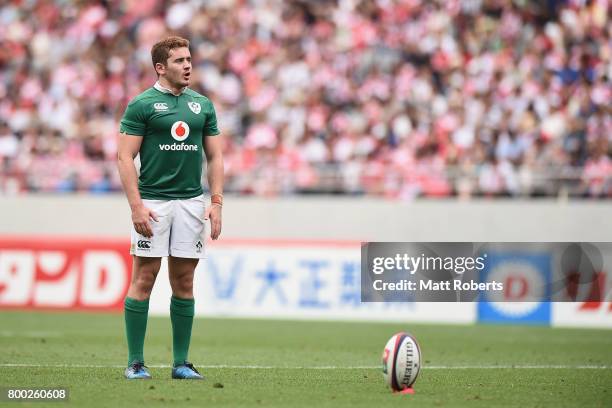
<point x="144" y="274"/>
<point x="186" y="284"/>
<point x="143" y="280"/>
<point x="183" y="285"/>
<point x="144" y="283"/>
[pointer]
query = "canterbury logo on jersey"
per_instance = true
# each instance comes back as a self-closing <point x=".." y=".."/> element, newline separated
<point x="160" y="106"/>
<point x="177" y="146"/>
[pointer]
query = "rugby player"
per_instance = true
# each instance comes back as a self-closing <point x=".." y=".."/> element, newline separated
<point x="171" y="127"/>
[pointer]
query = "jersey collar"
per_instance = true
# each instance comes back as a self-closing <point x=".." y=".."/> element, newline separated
<point x="163" y="89"/>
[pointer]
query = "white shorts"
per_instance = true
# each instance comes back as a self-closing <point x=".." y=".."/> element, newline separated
<point x="180" y="229"/>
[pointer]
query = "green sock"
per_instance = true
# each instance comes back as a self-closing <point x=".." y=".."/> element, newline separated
<point x="181" y="315"/>
<point x="136" y="312"/>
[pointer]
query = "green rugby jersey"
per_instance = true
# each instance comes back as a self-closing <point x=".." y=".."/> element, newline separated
<point x="171" y="153"/>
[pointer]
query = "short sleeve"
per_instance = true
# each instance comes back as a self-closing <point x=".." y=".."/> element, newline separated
<point x="210" y="127"/>
<point x="134" y="120"/>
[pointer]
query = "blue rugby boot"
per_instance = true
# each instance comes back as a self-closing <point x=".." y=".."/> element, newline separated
<point x="186" y="371"/>
<point x="137" y="371"/>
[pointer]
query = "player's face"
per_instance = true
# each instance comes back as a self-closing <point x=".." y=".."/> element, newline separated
<point x="178" y="67"/>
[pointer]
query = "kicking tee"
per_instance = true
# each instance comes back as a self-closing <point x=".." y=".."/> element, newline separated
<point x="171" y="153"/>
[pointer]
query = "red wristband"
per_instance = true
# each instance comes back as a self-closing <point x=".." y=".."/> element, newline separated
<point x="217" y="199"/>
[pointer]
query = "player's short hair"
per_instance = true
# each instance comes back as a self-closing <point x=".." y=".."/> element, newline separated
<point x="161" y="50"/>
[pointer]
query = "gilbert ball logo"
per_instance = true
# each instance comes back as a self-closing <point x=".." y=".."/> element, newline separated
<point x="180" y="131"/>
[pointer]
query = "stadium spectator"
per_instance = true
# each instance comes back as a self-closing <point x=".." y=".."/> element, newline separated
<point x="401" y="99"/>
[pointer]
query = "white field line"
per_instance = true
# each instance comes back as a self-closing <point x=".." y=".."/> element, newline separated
<point x="29" y="334"/>
<point x="269" y="367"/>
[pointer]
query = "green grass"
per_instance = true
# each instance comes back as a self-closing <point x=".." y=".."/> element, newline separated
<point x="293" y="349"/>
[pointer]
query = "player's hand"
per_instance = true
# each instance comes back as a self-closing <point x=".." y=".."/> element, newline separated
<point x="213" y="212"/>
<point x="140" y="217"/>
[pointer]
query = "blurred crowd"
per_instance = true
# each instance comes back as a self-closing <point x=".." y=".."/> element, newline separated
<point x="400" y="99"/>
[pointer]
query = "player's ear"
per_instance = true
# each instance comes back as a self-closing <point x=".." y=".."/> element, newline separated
<point x="160" y="68"/>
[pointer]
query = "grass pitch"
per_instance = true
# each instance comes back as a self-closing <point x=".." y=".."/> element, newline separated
<point x="267" y="363"/>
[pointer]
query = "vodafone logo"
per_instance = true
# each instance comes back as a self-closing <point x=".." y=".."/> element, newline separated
<point x="180" y="131"/>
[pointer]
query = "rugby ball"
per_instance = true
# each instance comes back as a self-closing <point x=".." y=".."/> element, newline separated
<point x="401" y="361"/>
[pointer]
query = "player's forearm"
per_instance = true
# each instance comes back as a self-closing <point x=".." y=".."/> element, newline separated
<point x="215" y="174"/>
<point x="129" y="180"/>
